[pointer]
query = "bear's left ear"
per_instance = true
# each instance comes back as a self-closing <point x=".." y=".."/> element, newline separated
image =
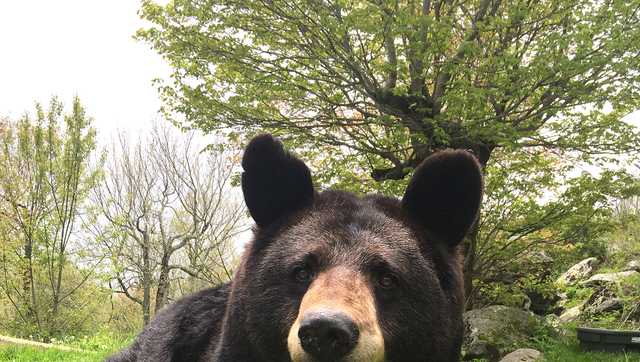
<point x="444" y="195"/>
<point x="274" y="182"/>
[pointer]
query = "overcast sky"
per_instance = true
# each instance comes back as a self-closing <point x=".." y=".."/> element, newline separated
<point x="82" y="47"/>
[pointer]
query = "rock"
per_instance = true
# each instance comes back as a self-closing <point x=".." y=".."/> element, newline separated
<point x="603" y="300"/>
<point x="580" y="271"/>
<point x="608" y="278"/>
<point x="564" y="297"/>
<point x="606" y="305"/>
<point x="633" y="265"/>
<point x="523" y="355"/>
<point x="571" y="314"/>
<point x="540" y="257"/>
<point x="494" y="330"/>
<point x="526" y="302"/>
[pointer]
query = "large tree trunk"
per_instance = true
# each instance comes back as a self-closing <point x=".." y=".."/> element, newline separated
<point x="57" y="291"/>
<point x="27" y="273"/>
<point x="27" y="280"/>
<point x="146" y="281"/>
<point x="163" y="282"/>
<point x="483" y="153"/>
<point x="470" y="244"/>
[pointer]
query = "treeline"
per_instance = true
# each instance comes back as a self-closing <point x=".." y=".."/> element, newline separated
<point x="95" y="238"/>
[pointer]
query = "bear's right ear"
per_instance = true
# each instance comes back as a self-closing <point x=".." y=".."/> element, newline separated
<point x="444" y="195"/>
<point x="274" y="182"/>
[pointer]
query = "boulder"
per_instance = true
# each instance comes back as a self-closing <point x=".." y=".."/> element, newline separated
<point x="633" y="265"/>
<point x="606" y="305"/>
<point x="571" y="314"/>
<point x="492" y="331"/>
<point x="523" y="355"/>
<point x="603" y="300"/>
<point x="580" y="271"/>
<point x="605" y="279"/>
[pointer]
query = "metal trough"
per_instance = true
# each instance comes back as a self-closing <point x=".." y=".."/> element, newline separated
<point x="609" y="340"/>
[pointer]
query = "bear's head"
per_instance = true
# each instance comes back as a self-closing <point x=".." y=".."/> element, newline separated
<point x="332" y="276"/>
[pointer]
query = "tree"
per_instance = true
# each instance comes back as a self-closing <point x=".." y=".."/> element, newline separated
<point x="376" y="86"/>
<point x="45" y="180"/>
<point x="536" y="220"/>
<point x="167" y="209"/>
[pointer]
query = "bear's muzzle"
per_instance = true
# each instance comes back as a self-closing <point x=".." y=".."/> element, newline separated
<point x="337" y="321"/>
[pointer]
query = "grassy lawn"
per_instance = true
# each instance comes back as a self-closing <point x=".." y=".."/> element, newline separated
<point x="98" y="348"/>
<point x="32" y="354"/>
<point x="94" y="348"/>
<point x="566" y="348"/>
<point x="571" y="352"/>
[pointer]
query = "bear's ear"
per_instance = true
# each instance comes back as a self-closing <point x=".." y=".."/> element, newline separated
<point x="444" y="195"/>
<point x="274" y="182"/>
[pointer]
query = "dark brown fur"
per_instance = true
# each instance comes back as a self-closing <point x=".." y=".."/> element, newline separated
<point x="335" y="235"/>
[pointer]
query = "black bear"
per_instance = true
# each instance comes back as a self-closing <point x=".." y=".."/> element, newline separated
<point x="331" y="276"/>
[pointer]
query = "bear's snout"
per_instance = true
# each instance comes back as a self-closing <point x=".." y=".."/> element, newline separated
<point x="337" y="321"/>
<point x="327" y="335"/>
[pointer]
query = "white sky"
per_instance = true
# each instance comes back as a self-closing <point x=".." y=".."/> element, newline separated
<point x="83" y="47"/>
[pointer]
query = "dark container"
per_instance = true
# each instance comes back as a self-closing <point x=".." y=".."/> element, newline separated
<point x="609" y="340"/>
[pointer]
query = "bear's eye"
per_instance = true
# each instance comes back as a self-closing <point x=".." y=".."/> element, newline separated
<point x="303" y="274"/>
<point x="387" y="281"/>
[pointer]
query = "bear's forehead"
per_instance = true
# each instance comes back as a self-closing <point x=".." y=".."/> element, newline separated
<point x="343" y="224"/>
<point x="345" y="215"/>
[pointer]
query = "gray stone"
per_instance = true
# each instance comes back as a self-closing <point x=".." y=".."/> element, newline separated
<point x="541" y="257"/>
<point x="492" y="331"/>
<point x="601" y="301"/>
<point x="633" y="265"/>
<point x="580" y="271"/>
<point x="571" y="314"/>
<point x="605" y="279"/>
<point x="523" y="355"/>
<point x="564" y="297"/>
<point x="606" y="305"/>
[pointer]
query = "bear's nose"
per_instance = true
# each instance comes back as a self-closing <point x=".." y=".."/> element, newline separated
<point x="327" y="335"/>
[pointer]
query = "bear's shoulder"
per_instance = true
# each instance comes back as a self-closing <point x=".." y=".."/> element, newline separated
<point x="181" y="331"/>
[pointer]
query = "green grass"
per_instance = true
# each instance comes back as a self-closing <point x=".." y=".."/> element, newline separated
<point x="31" y="354"/>
<point x="571" y="353"/>
<point x="555" y="349"/>
<point x="94" y="348"/>
<point x="567" y="349"/>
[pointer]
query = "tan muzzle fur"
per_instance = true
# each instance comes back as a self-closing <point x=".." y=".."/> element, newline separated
<point x="347" y="292"/>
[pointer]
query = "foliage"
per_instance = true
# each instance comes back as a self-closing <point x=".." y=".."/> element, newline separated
<point x="624" y="241"/>
<point x="576" y="295"/>
<point x="536" y="221"/>
<point x="45" y="180"/>
<point x="394" y="81"/>
<point x="73" y="232"/>
<point x="166" y="217"/>
<point x="368" y="89"/>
